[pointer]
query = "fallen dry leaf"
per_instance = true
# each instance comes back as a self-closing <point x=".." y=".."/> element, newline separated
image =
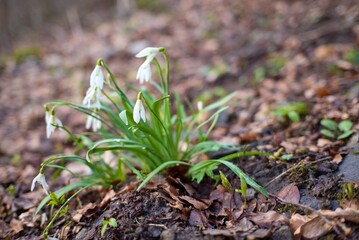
<point x="290" y="194"/>
<point x="197" y="204"/>
<point x="16" y="225"/>
<point x="197" y="218"/>
<point x="322" y="142"/>
<point x="338" y="158"/>
<point x="298" y="220"/>
<point x="269" y="219"/>
<point x="243" y="226"/>
<point x="314" y="228"/>
<point x="80" y="212"/>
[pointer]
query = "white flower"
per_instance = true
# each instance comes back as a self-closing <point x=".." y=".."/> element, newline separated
<point x="144" y="72"/>
<point x="92" y="92"/>
<point x="40" y="178"/>
<point x="149" y="52"/>
<point x="200" y="106"/>
<point x="139" y="111"/>
<point x="52" y="123"/>
<point x="93" y="121"/>
<point x="97" y="77"/>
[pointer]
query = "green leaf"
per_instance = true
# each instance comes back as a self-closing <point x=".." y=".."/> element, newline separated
<point x="327" y="133"/>
<point x="159" y="169"/>
<point x="287" y="156"/>
<point x="225" y="182"/>
<point x="345" y="126"/>
<point x="293" y="116"/>
<point x="330" y="124"/>
<point x="104" y="227"/>
<point x="61" y="192"/>
<point x="112" y="222"/>
<point x="240" y="173"/>
<point x="346" y="134"/>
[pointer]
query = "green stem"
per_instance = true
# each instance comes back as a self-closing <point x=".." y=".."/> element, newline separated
<point x="127" y="103"/>
<point x="46" y="231"/>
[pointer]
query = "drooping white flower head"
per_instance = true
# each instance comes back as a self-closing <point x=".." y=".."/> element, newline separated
<point x="93" y="93"/>
<point x="144" y="71"/>
<point x="52" y="122"/>
<point x="94" y="121"/>
<point x="40" y="178"/>
<point x="139" y="110"/>
<point x="97" y="77"/>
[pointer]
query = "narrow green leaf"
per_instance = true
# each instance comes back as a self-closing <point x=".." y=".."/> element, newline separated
<point x="104" y="227"/>
<point x="61" y="192"/>
<point x="240" y="173"/>
<point x="159" y="169"/>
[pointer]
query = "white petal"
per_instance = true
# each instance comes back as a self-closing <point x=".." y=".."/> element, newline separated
<point x="148" y="73"/>
<point x="141" y="73"/>
<point x="143" y="113"/>
<point x="136" y="111"/>
<point x="96" y="125"/>
<point x="147" y="51"/>
<point x="44" y="184"/>
<point x="58" y="122"/>
<point x="97" y="77"/>
<point x="47" y="117"/>
<point x="89" y="121"/>
<point x="34" y="181"/>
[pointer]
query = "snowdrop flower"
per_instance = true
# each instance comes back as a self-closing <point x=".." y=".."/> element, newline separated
<point x="139" y="111"/>
<point x="92" y="93"/>
<point x="52" y="122"/>
<point x="93" y="121"/>
<point x="200" y="106"/>
<point x="97" y="77"/>
<point x="40" y="178"/>
<point x="144" y="72"/>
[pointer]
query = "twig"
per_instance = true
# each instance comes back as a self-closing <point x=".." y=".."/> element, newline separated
<point x="294" y="167"/>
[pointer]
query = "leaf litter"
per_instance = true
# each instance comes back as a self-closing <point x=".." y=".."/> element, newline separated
<point x="296" y="52"/>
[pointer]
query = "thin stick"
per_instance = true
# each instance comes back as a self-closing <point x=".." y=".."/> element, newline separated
<point x="294" y="167"/>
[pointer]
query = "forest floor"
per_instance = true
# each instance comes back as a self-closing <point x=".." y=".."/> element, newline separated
<point x="287" y="52"/>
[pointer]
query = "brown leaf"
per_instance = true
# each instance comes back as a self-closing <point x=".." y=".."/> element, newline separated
<point x="80" y="212"/>
<point x="16" y="225"/>
<point x="314" y="228"/>
<point x="269" y="219"/>
<point x="198" y="204"/>
<point x="298" y="220"/>
<point x="107" y="198"/>
<point x="197" y="218"/>
<point x="244" y="226"/>
<point x="290" y="194"/>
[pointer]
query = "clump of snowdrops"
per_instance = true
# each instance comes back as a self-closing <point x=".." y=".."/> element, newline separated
<point x="145" y="135"/>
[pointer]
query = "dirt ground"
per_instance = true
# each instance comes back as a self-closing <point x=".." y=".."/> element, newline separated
<point x="271" y="53"/>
